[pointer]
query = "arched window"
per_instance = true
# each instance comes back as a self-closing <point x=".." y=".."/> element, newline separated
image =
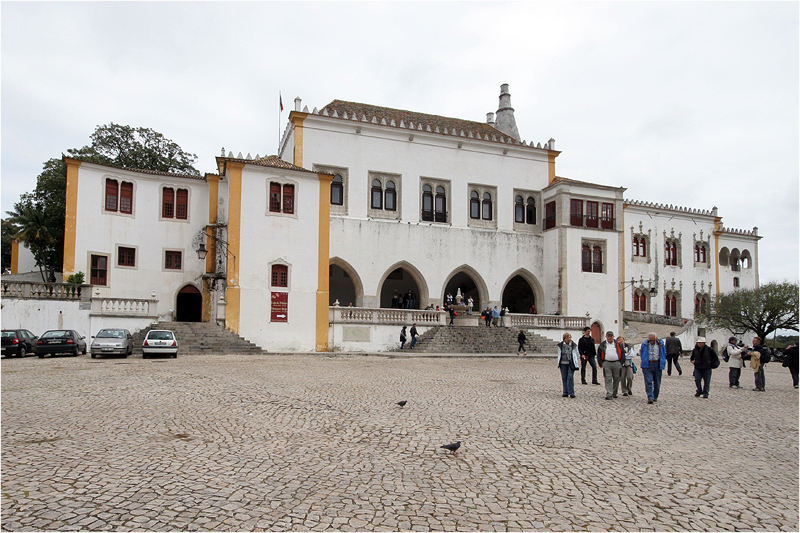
<point x="636" y="302"/>
<point x="168" y="203"/>
<point x="642" y="302"/>
<point x="288" y="199"/>
<point x="441" y="204"/>
<point x="377" y="194"/>
<point x="702" y="254"/>
<point x="519" y="210"/>
<point x="280" y="276"/>
<point x="673" y="306"/>
<point x="391" y="196"/>
<point x="474" y="205"/>
<point x="427" y="203"/>
<point x="126" y="197"/>
<point x="337" y="190"/>
<point x="487" y="206"/>
<point x="530" y="212"/>
<point x="696" y="253"/>
<point x="674" y="255"/>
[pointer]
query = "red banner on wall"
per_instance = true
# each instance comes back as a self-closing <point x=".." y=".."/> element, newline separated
<point x="280" y="307"/>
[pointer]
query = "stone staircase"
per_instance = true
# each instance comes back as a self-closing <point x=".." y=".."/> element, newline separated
<point x="201" y="338"/>
<point x="480" y="339"/>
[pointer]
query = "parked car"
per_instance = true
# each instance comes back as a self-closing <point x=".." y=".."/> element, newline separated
<point x="159" y="342"/>
<point x="19" y="342"/>
<point x="57" y="341"/>
<point x="112" y="341"/>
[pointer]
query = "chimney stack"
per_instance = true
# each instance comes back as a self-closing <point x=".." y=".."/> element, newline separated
<point x="490" y="119"/>
<point x="505" y="114"/>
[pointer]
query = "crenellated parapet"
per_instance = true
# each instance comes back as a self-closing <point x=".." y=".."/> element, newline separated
<point x="670" y="207"/>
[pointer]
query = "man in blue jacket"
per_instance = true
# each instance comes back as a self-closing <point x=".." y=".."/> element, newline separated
<point x="653" y="360"/>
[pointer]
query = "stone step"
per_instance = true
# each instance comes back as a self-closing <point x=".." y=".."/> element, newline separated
<point x="479" y="339"/>
<point x="202" y="338"/>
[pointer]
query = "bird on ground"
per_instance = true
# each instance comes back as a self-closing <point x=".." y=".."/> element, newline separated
<point x="403" y="403"/>
<point x="452" y="447"/>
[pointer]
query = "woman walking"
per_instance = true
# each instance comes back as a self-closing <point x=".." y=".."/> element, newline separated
<point x="627" y="366"/>
<point x="568" y="364"/>
<point x="521" y="338"/>
<point x="403" y="337"/>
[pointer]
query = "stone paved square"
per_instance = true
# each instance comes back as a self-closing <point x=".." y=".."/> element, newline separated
<point x="315" y="442"/>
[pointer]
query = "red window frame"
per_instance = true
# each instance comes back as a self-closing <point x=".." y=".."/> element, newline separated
<point x="99" y="272"/>
<point x="674" y="256"/>
<point x="591" y="214"/>
<point x="576" y="212"/>
<point x="112" y="194"/>
<point x="168" y="203"/>
<point x="275" y="197"/>
<point x="126" y="197"/>
<point x="126" y="256"/>
<point x="288" y="199"/>
<point x="182" y="204"/>
<point x="586" y="258"/>
<point x="550" y="215"/>
<point x="597" y="259"/>
<point x="607" y="216"/>
<point x="172" y="259"/>
<point x="280" y="276"/>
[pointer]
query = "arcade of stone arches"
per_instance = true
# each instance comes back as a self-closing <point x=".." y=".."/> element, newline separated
<point x="520" y="294"/>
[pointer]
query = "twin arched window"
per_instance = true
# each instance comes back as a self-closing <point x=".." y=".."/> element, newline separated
<point x="337" y="190"/>
<point x="384" y="197"/>
<point x="434" y="207"/>
<point x="524" y="211"/>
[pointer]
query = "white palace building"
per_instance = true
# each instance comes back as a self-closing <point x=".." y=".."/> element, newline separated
<point x="365" y="203"/>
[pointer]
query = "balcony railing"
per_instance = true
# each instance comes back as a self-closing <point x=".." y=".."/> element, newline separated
<point x="125" y="307"/>
<point x="44" y="291"/>
<point x="402" y="317"/>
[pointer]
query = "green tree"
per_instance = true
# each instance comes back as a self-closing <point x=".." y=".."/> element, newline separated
<point x="768" y="308"/>
<point x="40" y="214"/>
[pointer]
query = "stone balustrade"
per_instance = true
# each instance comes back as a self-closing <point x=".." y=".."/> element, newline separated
<point x="402" y="317"/>
<point x="44" y="291"/>
<point x="124" y="307"/>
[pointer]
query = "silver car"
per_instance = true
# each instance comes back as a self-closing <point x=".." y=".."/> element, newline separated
<point x="159" y="342"/>
<point x="112" y="341"/>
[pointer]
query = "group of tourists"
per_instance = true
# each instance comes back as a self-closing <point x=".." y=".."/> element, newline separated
<point x="404" y="301"/>
<point x="494" y="316"/>
<point x="616" y="359"/>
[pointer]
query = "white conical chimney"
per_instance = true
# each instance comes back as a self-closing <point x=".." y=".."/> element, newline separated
<point x="505" y="114"/>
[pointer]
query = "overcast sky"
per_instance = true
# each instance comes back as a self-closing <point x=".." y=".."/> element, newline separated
<point x="686" y="103"/>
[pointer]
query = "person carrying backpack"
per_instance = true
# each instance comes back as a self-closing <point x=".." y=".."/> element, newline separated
<point x="732" y="354"/>
<point x="759" y="356"/>
<point x="705" y="360"/>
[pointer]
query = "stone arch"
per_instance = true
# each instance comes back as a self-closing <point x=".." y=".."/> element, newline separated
<point x="735" y="260"/>
<point x="417" y="278"/>
<point x="536" y="287"/>
<point x="344" y="294"/>
<point x="724" y="256"/>
<point x="746" y="258"/>
<point x="189" y="304"/>
<point x="480" y="293"/>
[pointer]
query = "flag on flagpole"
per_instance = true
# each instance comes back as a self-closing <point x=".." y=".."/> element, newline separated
<point x="280" y="99"/>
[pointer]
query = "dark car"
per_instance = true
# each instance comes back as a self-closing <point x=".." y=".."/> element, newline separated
<point x="112" y="341"/>
<point x="19" y="342"/>
<point x="56" y="341"/>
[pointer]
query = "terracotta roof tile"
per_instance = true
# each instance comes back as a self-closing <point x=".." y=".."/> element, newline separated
<point x="452" y="126"/>
<point x="272" y="161"/>
<point x="142" y="170"/>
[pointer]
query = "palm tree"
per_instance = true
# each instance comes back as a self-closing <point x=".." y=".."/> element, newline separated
<point x="33" y="229"/>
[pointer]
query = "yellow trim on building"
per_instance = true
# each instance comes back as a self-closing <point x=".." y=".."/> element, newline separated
<point x="323" y="268"/>
<point x="232" y="294"/>
<point x="551" y="166"/>
<point x="213" y="201"/>
<point x="717" y="232"/>
<point x="297" y="119"/>
<point x="14" y="266"/>
<point x="70" y="219"/>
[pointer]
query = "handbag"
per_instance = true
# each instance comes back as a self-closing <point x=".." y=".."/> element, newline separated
<point x="633" y="365"/>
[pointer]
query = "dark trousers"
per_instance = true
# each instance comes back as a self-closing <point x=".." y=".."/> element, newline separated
<point x="702" y="380"/>
<point x="670" y="359"/>
<point x="793" y="370"/>
<point x="521" y="347"/>
<point x="733" y="376"/>
<point x="592" y="361"/>
<point x="567" y="379"/>
<point x="760" y="384"/>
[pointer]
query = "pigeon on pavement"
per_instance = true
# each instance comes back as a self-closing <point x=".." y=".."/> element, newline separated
<point x="403" y="403"/>
<point x="452" y="447"/>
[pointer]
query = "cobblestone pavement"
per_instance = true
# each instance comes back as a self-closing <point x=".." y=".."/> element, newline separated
<point x="317" y="443"/>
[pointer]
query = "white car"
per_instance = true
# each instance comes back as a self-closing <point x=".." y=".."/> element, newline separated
<point x="112" y="341"/>
<point x="159" y="342"/>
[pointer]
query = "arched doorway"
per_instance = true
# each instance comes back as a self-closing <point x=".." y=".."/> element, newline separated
<point x="341" y="287"/>
<point x="597" y="333"/>
<point x="469" y="288"/>
<point x="189" y="305"/>
<point x="518" y="296"/>
<point x="400" y="290"/>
